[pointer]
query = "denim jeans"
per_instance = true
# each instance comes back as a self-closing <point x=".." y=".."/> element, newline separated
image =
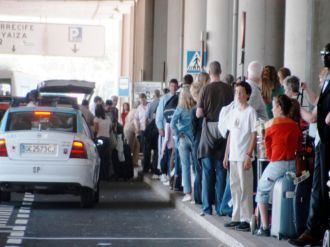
<point x="273" y="171"/>
<point x="165" y="162"/>
<point x="225" y="209"/>
<point x="185" y="151"/>
<point x="212" y="167"/>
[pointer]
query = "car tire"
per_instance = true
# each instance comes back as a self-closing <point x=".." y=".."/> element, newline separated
<point x="87" y="198"/>
<point x="5" y="196"/>
<point x="97" y="193"/>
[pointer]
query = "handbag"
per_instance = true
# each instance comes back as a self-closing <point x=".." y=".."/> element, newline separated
<point x="113" y="140"/>
<point x="301" y="162"/>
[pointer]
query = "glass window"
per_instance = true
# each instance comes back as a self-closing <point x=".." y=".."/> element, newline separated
<point x="54" y="121"/>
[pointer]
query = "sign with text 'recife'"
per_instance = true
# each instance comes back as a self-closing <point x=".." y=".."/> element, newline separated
<point x="52" y="39"/>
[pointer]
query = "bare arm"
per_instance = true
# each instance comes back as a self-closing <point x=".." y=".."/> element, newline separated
<point x="309" y="117"/>
<point x="312" y="97"/>
<point x="225" y="160"/>
<point x="247" y="162"/>
<point x="327" y="119"/>
<point x="199" y="112"/>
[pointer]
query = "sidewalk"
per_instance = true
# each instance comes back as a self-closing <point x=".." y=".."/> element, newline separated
<point x="213" y="224"/>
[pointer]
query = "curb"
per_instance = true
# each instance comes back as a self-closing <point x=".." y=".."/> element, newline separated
<point x="202" y="221"/>
<point x="214" y="225"/>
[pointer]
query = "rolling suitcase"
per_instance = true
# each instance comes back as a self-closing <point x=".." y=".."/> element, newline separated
<point x="302" y="195"/>
<point x="282" y="208"/>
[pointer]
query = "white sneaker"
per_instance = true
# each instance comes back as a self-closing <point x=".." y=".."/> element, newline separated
<point x="163" y="178"/>
<point x="167" y="183"/>
<point x="155" y="177"/>
<point x="186" y="198"/>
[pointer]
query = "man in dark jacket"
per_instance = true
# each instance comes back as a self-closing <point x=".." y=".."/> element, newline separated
<point x="318" y="219"/>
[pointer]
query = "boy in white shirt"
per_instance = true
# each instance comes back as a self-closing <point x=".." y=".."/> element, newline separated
<point x="239" y="152"/>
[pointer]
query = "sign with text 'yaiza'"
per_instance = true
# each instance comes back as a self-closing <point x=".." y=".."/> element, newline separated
<point x="52" y="39"/>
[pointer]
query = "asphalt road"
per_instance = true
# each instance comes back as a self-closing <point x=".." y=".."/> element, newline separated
<point x="129" y="214"/>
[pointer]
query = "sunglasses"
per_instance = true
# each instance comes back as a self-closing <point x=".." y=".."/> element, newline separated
<point x="324" y="53"/>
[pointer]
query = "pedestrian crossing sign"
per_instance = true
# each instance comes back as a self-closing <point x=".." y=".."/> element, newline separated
<point x="194" y="62"/>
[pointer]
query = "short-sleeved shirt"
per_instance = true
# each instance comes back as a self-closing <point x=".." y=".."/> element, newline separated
<point x="213" y="96"/>
<point x="241" y="125"/>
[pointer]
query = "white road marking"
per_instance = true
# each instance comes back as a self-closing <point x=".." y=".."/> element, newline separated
<point x="14" y="241"/>
<point x="17" y="234"/>
<point x="109" y="238"/>
<point x="24" y="211"/>
<point x="23" y="216"/>
<point x="19" y="228"/>
<point x="28" y="199"/>
<point x="29" y="195"/>
<point x="21" y="222"/>
<point x="104" y="244"/>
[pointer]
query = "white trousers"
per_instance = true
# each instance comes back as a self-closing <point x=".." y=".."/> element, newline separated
<point x="241" y="186"/>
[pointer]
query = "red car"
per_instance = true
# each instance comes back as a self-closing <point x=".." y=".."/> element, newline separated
<point x="4" y="105"/>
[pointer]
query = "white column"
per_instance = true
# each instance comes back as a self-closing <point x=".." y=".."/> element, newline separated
<point x="296" y="43"/>
<point x="194" y="24"/>
<point x="174" y="60"/>
<point x="219" y="33"/>
<point x="160" y="38"/>
<point x="264" y="31"/>
<point x="304" y="42"/>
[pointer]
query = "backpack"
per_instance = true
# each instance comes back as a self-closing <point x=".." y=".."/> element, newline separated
<point x="170" y="107"/>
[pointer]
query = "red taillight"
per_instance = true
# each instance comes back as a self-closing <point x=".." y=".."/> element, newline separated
<point x="42" y="113"/>
<point x="78" y="150"/>
<point x="3" y="149"/>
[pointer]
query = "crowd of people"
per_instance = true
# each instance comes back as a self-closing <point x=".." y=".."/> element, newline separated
<point x="199" y="137"/>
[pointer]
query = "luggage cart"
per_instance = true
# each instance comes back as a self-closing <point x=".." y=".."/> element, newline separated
<point x="261" y="161"/>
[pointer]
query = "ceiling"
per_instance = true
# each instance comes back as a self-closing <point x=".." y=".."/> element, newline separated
<point x="65" y="9"/>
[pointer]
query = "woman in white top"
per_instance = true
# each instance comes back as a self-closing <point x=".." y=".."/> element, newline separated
<point x="102" y="124"/>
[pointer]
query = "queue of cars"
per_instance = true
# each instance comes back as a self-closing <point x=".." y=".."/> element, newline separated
<point x="49" y="147"/>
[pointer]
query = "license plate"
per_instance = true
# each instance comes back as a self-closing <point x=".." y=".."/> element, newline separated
<point x="38" y="148"/>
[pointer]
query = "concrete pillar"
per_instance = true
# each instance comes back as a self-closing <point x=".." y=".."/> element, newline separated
<point x="126" y="40"/>
<point x="303" y="42"/>
<point x="296" y="43"/>
<point x="219" y="33"/>
<point x="160" y="40"/>
<point x="194" y="24"/>
<point x="143" y="47"/>
<point x="174" y="52"/>
<point x="264" y="31"/>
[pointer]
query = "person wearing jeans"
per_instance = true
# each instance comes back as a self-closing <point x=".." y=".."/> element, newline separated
<point x="212" y="98"/>
<point x="282" y="140"/>
<point x="182" y="128"/>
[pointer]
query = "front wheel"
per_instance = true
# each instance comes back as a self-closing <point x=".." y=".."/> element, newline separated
<point x="87" y="198"/>
<point x="5" y="196"/>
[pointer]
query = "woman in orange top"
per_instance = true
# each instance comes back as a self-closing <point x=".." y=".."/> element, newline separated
<point x="282" y="140"/>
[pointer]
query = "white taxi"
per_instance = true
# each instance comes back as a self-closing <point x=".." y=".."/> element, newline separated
<point x="48" y="149"/>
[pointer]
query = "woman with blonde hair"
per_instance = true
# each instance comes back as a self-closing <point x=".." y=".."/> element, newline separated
<point x="182" y="128"/>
